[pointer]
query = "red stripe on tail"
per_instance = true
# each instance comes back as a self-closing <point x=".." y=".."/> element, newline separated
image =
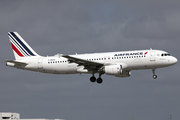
<point x="17" y="51"/>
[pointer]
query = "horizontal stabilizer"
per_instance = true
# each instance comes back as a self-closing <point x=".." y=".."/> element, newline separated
<point x="16" y="62"/>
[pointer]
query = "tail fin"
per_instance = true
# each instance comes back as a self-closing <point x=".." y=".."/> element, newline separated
<point x="20" y="47"/>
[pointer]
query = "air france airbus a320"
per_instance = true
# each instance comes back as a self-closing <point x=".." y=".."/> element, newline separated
<point x="118" y="64"/>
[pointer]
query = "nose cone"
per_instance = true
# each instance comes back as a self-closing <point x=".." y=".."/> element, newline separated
<point x="174" y="60"/>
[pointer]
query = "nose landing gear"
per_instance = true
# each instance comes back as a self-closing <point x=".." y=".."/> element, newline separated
<point x="154" y="75"/>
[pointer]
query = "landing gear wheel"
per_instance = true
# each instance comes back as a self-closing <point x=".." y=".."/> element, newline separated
<point x="93" y="79"/>
<point x="154" y="76"/>
<point x="99" y="80"/>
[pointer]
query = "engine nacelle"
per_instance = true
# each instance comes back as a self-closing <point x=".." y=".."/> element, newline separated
<point x="117" y="70"/>
<point x="112" y="69"/>
<point x="125" y="73"/>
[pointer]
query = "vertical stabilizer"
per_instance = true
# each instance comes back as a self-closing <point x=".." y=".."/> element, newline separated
<point x="20" y="47"/>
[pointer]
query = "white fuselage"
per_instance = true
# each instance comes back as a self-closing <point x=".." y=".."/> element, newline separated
<point x="118" y="64"/>
<point x="131" y="60"/>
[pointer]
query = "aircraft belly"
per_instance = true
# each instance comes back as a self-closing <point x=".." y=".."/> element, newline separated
<point x="60" y="68"/>
<point x="71" y="69"/>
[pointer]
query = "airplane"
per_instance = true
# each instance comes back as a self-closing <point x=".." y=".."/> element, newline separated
<point x="118" y="64"/>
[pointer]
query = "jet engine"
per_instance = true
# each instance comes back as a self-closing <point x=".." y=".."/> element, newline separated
<point x="117" y="70"/>
<point x="125" y="73"/>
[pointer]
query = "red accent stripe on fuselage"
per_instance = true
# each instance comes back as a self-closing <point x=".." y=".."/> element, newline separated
<point x="17" y="51"/>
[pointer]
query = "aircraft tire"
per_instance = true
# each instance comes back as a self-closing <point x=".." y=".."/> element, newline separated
<point x="154" y="76"/>
<point x="99" y="80"/>
<point x="93" y="79"/>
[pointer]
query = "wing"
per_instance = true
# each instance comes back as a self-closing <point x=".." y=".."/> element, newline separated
<point x="89" y="65"/>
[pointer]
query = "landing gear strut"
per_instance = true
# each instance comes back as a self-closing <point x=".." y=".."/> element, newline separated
<point x="99" y="80"/>
<point x="154" y="75"/>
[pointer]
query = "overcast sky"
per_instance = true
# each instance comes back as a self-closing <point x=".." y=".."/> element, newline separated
<point x="67" y="27"/>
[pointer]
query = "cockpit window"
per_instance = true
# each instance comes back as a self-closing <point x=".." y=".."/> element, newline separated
<point x="165" y="54"/>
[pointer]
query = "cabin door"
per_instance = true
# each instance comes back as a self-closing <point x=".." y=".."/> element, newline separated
<point x="152" y="56"/>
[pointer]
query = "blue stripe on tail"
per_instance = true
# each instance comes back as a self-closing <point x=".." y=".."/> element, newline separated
<point x="22" y="44"/>
<point x="18" y="45"/>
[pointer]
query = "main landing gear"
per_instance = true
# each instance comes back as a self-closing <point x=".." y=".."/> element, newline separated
<point x="154" y="76"/>
<point x="98" y="80"/>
